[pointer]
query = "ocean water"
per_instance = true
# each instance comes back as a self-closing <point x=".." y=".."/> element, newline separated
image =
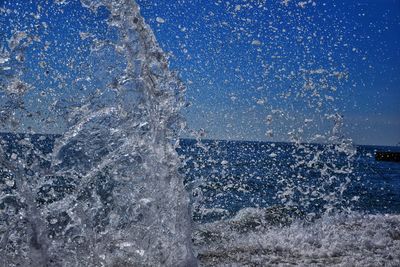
<point x="240" y="174"/>
<point x="241" y="221"/>
<point x="114" y="184"/>
<point x="238" y="218"/>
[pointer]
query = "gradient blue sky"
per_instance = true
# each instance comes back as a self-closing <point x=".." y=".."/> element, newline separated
<point x="247" y="64"/>
<point x="210" y="43"/>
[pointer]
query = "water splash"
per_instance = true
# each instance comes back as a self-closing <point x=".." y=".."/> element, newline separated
<point x="109" y="193"/>
<point x="107" y="190"/>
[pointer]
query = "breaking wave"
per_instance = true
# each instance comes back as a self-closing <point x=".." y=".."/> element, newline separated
<point x="256" y="237"/>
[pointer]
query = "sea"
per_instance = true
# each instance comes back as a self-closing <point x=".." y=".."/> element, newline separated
<point x="237" y="214"/>
<point x="119" y="186"/>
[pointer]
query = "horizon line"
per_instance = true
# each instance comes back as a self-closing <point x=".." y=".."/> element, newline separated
<point x="221" y="140"/>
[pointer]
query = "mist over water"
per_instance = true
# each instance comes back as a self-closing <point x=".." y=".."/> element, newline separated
<point x="94" y="170"/>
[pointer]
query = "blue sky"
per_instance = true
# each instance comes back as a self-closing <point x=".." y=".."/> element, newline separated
<point x="223" y="49"/>
<point x="255" y="69"/>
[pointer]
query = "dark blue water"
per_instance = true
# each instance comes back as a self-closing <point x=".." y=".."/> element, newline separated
<point x="224" y="177"/>
<point x="236" y="174"/>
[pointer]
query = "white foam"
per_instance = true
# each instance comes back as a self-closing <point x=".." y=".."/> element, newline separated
<point x="340" y="240"/>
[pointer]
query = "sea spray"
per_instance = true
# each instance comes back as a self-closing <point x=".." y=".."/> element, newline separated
<point x="109" y="193"/>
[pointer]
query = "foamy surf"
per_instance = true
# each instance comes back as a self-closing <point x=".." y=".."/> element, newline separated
<point x="332" y="240"/>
